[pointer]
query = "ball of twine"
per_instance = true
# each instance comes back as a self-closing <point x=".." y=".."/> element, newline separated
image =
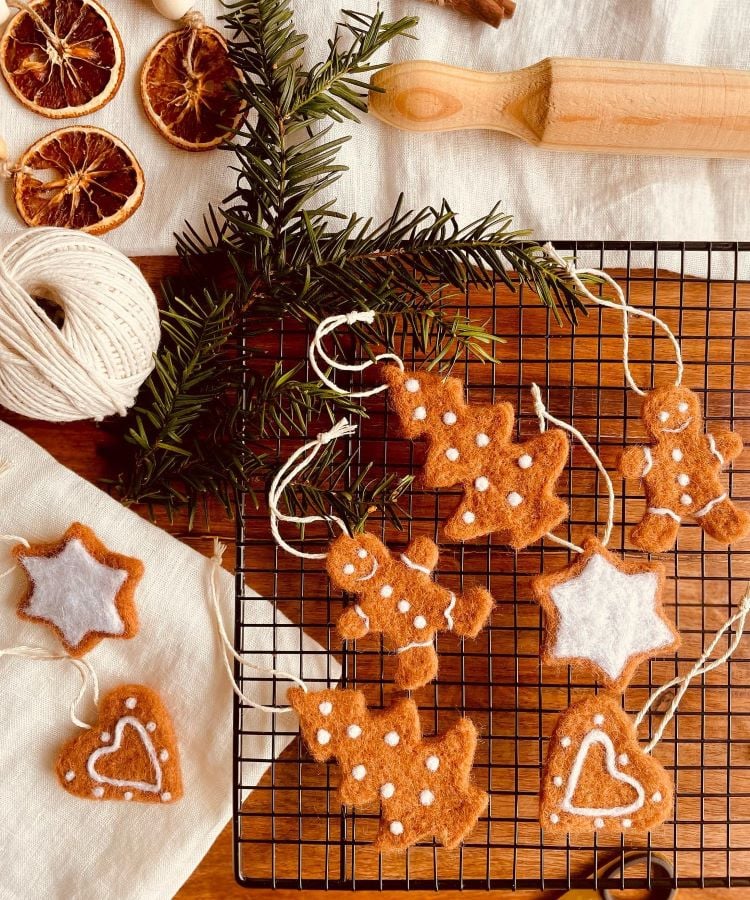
<point x="90" y="364"/>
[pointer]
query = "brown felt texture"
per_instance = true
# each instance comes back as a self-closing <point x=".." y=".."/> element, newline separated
<point x="423" y="784"/>
<point x="129" y="761"/>
<point x="542" y="587"/>
<point x="597" y="793"/>
<point x="508" y="488"/>
<point x="402" y="602"/>
<point x="682" y="474"/>
<point x="124" y="599"/>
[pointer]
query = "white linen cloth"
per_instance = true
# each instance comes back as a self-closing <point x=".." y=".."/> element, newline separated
<point x="60" y="847"/>
<point x="557" y="195"/>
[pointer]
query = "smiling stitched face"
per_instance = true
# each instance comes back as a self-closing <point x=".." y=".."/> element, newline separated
<point x="671" y="410"/>
<point x="354" y="562"/>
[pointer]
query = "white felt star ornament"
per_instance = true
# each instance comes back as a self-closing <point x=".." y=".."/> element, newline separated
<point x="80" y="588"/>
<point x="604" y="614"/>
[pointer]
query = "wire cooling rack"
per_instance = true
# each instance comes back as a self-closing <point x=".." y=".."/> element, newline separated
<point x="291" y="832"/>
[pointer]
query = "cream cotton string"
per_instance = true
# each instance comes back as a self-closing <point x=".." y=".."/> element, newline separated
<point x="700" y="668"/>
<point x="621" y="305"/>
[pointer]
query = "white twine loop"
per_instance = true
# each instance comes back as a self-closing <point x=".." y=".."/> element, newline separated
<point x="85" y="670"/>
<point x="286" y="475"/>
<point x="701" y="667"/>
<point x="544" y="417"/>
<point x="574" y="273"/>
<point x="93" y="364"/>
<point x="228" y="648"/>
<point x="316" y="350"/>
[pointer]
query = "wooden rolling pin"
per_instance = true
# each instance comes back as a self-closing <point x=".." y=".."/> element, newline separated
<point x="597" y="105"/>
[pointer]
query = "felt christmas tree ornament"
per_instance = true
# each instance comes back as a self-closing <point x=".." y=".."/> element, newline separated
<point x="597" y="777"/>
<point x="81" y="589"/>
<point x="395" y="595"/>
<point x="423" y="784"/>
<point x="508" y="487"/>
<point x="680" y="466"/>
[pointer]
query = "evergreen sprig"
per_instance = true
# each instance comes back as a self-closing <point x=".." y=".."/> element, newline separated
<point x="281" y="250"/>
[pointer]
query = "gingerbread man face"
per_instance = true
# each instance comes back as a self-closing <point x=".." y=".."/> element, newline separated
<point x="358" y="561"/>
<point x="671" y="410"/>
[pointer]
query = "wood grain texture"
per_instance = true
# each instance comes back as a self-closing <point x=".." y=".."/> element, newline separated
<point x="602" y="106"/>
<point x="87" y="449"/>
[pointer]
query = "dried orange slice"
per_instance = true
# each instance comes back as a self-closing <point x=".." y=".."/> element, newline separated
<point x="186" y="89"/>
<point x="78" y="177"/>
<point x="62" y="58"/>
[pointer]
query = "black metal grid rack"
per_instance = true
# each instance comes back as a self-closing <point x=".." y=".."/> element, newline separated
<point x="292" y="833"/>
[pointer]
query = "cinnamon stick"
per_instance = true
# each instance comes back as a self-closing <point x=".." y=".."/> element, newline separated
<point x="490" y="11"/>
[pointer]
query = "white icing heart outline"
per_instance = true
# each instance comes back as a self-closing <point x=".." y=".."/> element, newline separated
<point x="600" y="737"/>
<point x="148" y="745"/>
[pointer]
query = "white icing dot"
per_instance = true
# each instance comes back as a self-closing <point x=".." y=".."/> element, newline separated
<point x="482" y="439"/>
<point x="404" y="606"/>
<point x="420" y="622"/>
<point x="598" y="823"/>
<point x="432" y="763"/>
<point x="131" y="703"/>
<point x="426" y="797"/>
<point x="349" y="569"/>
<point x="452" y="454"/>
<point x="323" y="737"/>
<point x="392" y="739"/>
<point x="468" y="517"/>
<point x="69" y="776"/>
<point x="164" y="755"/>
<point x="359" y="772"/>
<point x="411" y="385"/>
<point x="514" y="499"/>
<point x="554" y="818"/>
<point x="663" y="415"/>
<point x="683" y="479"/>
<point x="525" y="461"/>
<point x="386" y="590"/>
<point x="151" y="726"/>
<point x="677" y="454"/>
<point x="623" y="759"/>
<point x="98" y="792"/>
<point x="419" y="413"/>
<point x="683" y="407"/>
<point x="656" y="797"/>
<point x="686" y="499"/>
<point x="482" y="483"/>
<point x="626" y="823"/>
<point x="325" y="708"/>
<point x="557" y="781"/>
<point x="166" y="797"/>
<point x="598" y="719"/>
<point x="396" y="828"/>
<point x="105" y="736"/>
<point x="128" y="795"/>
<point x="362" y="553"/>
<point x="353" y="731"/>
<point x="387" y="790"/>
<point x="565" y="742"/>
<point x="449" y="418"/>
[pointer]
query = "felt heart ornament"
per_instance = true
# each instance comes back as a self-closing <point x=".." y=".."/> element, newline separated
<point x="130" y="754"/>
<point x="597" y="777"/>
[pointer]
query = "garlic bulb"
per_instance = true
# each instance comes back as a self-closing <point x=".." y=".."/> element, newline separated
<point x="170" y="9"/>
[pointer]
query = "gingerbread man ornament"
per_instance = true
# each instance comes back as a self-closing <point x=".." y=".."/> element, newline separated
<point x="680" y="471"/>
<point x="397" y="597"/>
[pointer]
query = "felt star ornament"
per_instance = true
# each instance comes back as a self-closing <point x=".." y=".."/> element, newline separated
<point x="604" y="614"/>
<point x="80" y="588"/>
<point x="508" y="487"/>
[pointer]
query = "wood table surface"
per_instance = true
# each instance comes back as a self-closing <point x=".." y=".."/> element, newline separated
<point x="85" y="448"/>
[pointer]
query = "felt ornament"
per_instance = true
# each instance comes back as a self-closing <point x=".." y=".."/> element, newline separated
<point x="597" y="777"/>
<point x="84" y="591"/>
<point x="398" y="598"/>
<point x="130" y="754"/>
<point x="680" y="467"/>
<point x="423" y="784"/>
<point x="395" y="596"/>
<point x="604" y="615"/>
<point x="508" y="488"/>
